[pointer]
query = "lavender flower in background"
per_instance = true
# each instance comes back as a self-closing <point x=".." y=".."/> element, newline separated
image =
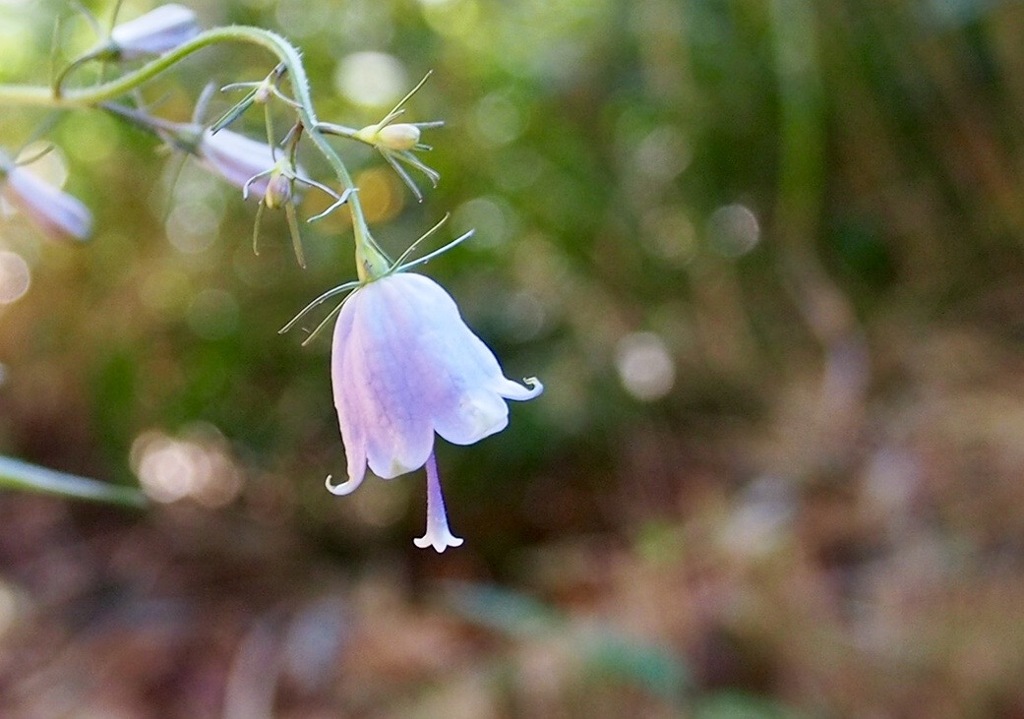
<point x="241" y="161"/>
<point x="246" y="163"/>
<point x="404" y="365"/>
<point x="259" y="169"/>
<point x="156" y="32"/>
<point x="57" y="213"/>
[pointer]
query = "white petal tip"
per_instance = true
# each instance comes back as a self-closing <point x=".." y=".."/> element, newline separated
<point x="534" y="388"/>
<point x="520" y="393"/>
<point x="340" y="490"/>
<point x="516" y="391"/>
<point x="439" y="543"/>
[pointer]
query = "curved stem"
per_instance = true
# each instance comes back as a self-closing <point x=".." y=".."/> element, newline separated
<point x="367" y="249"/>
<point x="58" y="81"/>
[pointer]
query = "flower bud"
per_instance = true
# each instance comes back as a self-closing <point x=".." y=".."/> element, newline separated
<point x="54" y="211"/>
<point x="264" y="92"/>
<point x="279" y="191"/>
<point x="156" y="32"/>
<point x="402" y="136"/>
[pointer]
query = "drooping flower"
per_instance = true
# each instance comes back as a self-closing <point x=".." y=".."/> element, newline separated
<point x="56" y="212"/>
<point x="159" y="30"/>
<point x="405" y="366"/>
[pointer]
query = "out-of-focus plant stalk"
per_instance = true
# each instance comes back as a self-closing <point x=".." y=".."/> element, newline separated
<point x="15" y="474"/>
<point x="802" y="171"/>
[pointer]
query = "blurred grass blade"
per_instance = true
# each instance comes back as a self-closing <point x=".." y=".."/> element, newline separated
<point x="15" y="474"/>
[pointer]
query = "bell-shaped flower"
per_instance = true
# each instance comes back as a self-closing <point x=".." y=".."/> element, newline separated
<point x="161" y="29"/>
<point x="405" y="366"/>
<point x="56" y="212"/>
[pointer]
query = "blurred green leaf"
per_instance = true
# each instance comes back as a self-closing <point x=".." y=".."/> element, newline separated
<point x="502" y="609"/>
<point x="738" y="705"/>
<point x="600" y="650"/>
<point x="652" y="667"/>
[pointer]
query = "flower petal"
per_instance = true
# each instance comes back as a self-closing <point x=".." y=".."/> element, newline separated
<point x="373" y="387"/>
<point x="404" y="366"/>
<point x="347" y="487"/>
<point x="477" y="414"/>
<point x="461" y="375"/>
<point x="352" y="434"/>
<point x="513" y="390"/>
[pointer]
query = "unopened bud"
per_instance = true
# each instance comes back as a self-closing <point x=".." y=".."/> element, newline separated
<point x="279" y="191"/>
<point x="402" y="136"/>
<point x="263" y="93"/>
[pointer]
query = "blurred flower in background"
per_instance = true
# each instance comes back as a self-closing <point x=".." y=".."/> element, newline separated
<point x="159" y="30"/>
<point x="241" y="161"/>
<point x="57" y="213"/>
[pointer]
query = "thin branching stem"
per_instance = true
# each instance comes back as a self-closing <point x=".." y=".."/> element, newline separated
<point x="60" y="97"/>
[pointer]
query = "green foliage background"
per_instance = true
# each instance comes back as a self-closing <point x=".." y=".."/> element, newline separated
<point x="862" y="356"/>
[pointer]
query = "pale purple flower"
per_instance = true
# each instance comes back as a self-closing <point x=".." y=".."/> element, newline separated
<point x="158" y="31"/>
<point x="404" y="365"/>
<point x="56" y="212"/>
<point x="238" y="159"/>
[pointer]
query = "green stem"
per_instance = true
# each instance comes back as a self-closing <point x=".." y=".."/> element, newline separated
<point x="367" y="250"/>
<point x="15" y="474"/>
